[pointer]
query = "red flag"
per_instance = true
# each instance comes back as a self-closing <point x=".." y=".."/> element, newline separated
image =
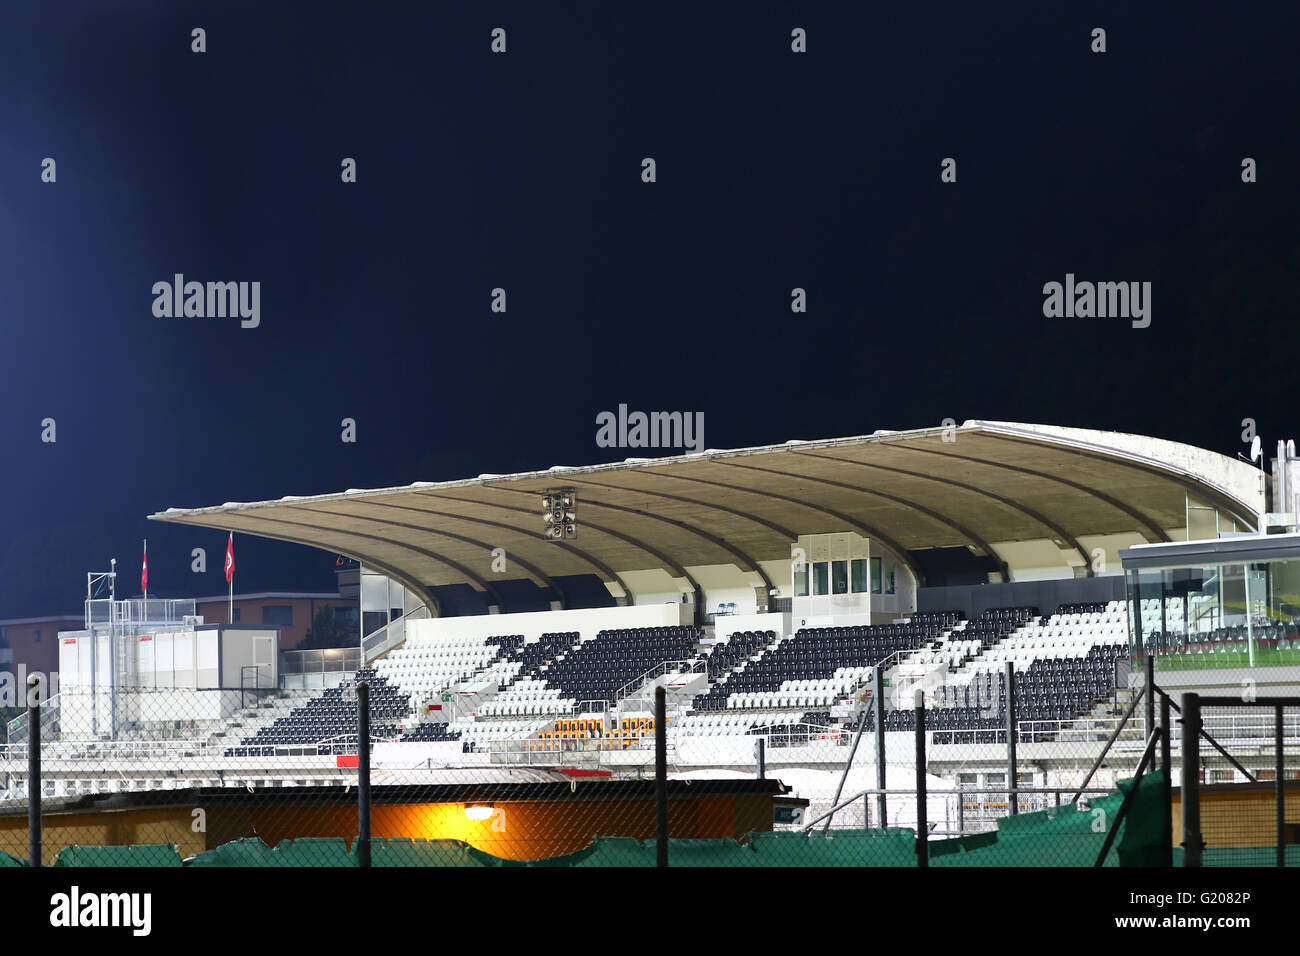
<point x="144" y="571"/>
<point x="230" y="558"/>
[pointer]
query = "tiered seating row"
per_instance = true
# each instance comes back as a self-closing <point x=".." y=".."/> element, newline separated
<point x="822" y="655"/>
<point x="331" y="715"/>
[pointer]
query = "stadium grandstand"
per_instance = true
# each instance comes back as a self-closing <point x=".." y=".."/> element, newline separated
<point x="764" y="589"/>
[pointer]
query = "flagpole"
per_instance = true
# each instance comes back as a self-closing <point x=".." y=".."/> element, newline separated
<point x="146" y="571"/>
<point x="230" y="577"/>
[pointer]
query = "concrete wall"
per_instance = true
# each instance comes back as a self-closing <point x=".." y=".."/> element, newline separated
<point x="729" y="624"/>
<point x="532" y="624"/>
<point x="1045" y="595"/>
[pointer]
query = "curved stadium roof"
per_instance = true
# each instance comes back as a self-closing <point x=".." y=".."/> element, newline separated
<point x="988" y="483"/>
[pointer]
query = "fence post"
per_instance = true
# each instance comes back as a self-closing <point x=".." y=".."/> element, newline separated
<point x="878" y="711"/>
<point x="1167" y="765"/>
<point x="363" y="774"/>
<point x="34" y="790"/>
<point x="1013" y="801"/>
<point x="922" y="824"/>
<point x="762" y="758"/>
<point x="661" y="776"/>
<point x="1191" y="788"/>
<point x="1280" y="787"/>
<point x="1150" y="675"/>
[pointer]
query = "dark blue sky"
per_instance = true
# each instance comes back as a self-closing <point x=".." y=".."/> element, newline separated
<point x="522" y="171"/>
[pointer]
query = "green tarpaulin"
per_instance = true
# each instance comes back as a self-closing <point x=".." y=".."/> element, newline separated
<point x="1061" y="836"/>
<point x="164" y="854"/>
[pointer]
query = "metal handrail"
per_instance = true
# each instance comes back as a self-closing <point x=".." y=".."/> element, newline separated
<point x="390" y="635"/>
<point x="49" y="716"/>
<point x="959" y="791"/>
<point x="98" y="750"/>
<point x="634" y="685"/>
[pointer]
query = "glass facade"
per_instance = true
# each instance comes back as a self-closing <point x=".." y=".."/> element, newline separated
<point x="1239" y="614"/>
<point x="839" y="577"/>
<point x="820" y="578"/>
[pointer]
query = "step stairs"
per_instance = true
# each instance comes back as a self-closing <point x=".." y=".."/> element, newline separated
<point x="247" y="721"/>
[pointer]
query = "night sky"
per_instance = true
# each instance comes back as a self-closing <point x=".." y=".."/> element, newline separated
<point x="522" y="171"/>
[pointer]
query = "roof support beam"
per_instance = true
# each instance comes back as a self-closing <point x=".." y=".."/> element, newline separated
<point x="420" y="590"/>
<point x="866" y="530"/>
<point x="1228" y="504"/>
<point x="747" y="563"/>
<point x="1048" y="523"/>
<point x="654" y="553"/>
<point x="538" y="576"/>
<point x="604" y="571"/>
<point x="446" y="562"/>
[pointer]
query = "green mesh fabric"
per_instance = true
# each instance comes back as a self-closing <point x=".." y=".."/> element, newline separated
<point x="164" y="854"/>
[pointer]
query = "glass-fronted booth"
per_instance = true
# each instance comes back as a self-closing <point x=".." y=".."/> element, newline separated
<point x="1226" y="602"/>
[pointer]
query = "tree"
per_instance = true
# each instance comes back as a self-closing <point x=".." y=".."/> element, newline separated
<point x="327" y="631"/>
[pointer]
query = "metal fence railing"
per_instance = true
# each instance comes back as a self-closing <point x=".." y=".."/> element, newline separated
<point x="391" y="635"/>
<point x="1227" y="820"/>
<point x="780" y="782"/>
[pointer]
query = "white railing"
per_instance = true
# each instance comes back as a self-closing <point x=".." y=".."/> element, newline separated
<point x="337" y="745"/>
<point x="568" y="752"/>
<point x="799" y="734"/>
<point x="1238" y="724"/>
<point x="17" y="730"/>
<point x="552" y="752"/>
<point x="100" y="751"/>
<point x="134" y="611"/>
<point x="694" y="665"/>
<point x="329" y="660"/>
<point x="390" y="635"/>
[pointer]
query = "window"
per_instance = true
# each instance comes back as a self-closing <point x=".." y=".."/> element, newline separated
<point x="36" y="637"/>
<point x="858" y="570"/>
<point x="277" y="615"/>
<point x="889" y="580"/>
<point x="801" y="581"/>
<point x="875" y="575"/>
<point x="821" y="579"/>
<point x="839" y="577"/>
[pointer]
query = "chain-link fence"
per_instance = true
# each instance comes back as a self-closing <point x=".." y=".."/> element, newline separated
<point x="1236" y="806"/>
<point x="1012" y="739"/>
<point x="617" y="749"/>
